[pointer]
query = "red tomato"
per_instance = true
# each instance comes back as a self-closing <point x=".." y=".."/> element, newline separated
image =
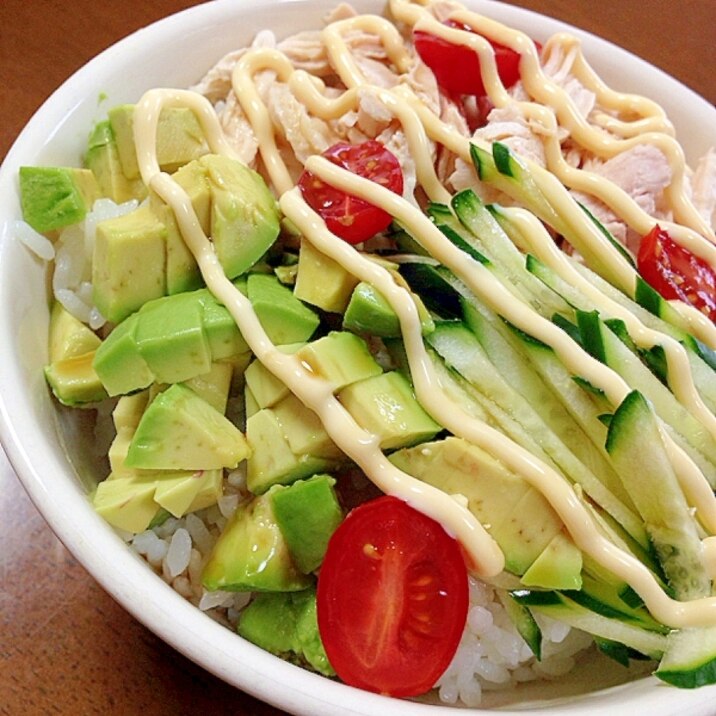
<point x="457" y="67"/>
<point x="675" y="272"/>
<point x="392" y="599"/>
<point x="349" y="217"/>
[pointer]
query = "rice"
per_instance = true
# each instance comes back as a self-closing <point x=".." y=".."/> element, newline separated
<point x="492" y="655"/>
<point x="40" y="245"/>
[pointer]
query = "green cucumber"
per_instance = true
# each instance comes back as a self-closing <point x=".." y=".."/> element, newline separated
<point x="690" y="658"/>
<point x="637" y="449"/>
<point x="523" y="621"/>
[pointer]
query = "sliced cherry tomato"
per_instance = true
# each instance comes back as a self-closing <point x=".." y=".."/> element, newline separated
<point x="457" y="67"/>
<point x="675" y="272"/>
<point x="392" y="598"/>
<point x="349" y="217"/>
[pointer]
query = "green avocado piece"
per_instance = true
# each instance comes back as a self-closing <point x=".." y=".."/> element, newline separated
<point x="126" y="503"/>
<point x="118" y="362"/>
<point x="170" y="337"/>
<point x="385" y="405"/>
<point x="558" y="567"/>
<point x="213" y="386"/>
<point x="225" y="339"/>
<point x="265" y="387"/>
<point x="69" y="337"/>
<point x="186" y="492"/>
<point x="321" y="281"/>
<point x="285" y="624"/>
<point x="74" y="381"/>
<point x="129" y="263"/>
<point x="181" y="431"/>
<point x="308" y="513"/>
<point x="516" y="515"/>
<point x="341" y="358"/>
<point x="102" y="158"/>
<point x="180" y="138"/>
<point x="272" y="461"/>
<point x="251" y="554"/>
<point x="369" y="312"/>
<point x="284" y="318"/>
<point x="245" y="219"/>
<point x="54" y="197"/>
<point x="303" y="429"/>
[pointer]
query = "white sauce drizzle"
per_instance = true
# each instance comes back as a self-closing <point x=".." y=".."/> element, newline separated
<point x="419" y="123"/>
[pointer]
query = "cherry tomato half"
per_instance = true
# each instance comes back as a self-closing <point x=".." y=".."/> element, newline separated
<point x="349" y="217"/>
<point x="675" y="272"/>
<point x="457" y="67"/>
<point x="392" y="599"/>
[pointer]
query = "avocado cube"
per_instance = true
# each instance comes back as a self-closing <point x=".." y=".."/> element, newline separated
<point x="341" y="358"/>
<point x="118" y="362"/>
<point x="265" y="387"/>
<point x="245" y="219"/>
<point x="250" y="405"/>
<point x="170" y="337"/>
<point x="369" y="312"/>
<point x="284" y="318"/>
<point x="303" y="429"/>
<point x="385" y="405"/>
<point x="102" y="158"/>
<point x="126" y="503"/>
<point x="213" y="386"/>
<point x="129" y="263"/>
<point x="117" y="454"/>
<point x="129" y="410"/>
<point x="69" y="337"/>
<point x="54" y="197"/>
<point x="321" y="281"/>
<point x="180" y="138"/>
<point x="559" y="566"/>
<point x="182" y="270"/>
<point x="308" y="513"/>
<point x="181" y="431"/>
<point x="251" y="554"/>
<point x="225" y="339"/>
<point x="286" y="623"/>
<point x="272" y="461"/>
<point x="74" y="381"/>
<point x="183" y="492"/>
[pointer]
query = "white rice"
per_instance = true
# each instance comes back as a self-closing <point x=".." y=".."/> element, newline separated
<point x="40" y="245"/>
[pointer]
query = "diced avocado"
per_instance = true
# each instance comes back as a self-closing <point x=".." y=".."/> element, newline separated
<point x="308" y="513"/>
<point x="321" y="281"/>
<point x="251" y="554"/>
<point x="285" y="624"/>
<point x="341" y="358"/>
<point x="558" y="567"/>
<point x="272" y="461"/>
<point x="213" y="386"/>
<point x="69" y="337"/>
<point x="244" y="213"/>
<point x="129" y="410"/>
<point x="225" y="339"/>
<point x="54" y="197"/>
<point x="369" y="312"/>
<point x="74" y="381"/>
<point x="179" y="138"/>
<point x="181" y="431"/>
<point x="102" y="158"/>
<point x="385" y="405"/>
<point x="182" y="270"/>
<point x="498" y="497"/>
<point x="170" y="337"/>
<point x="250" y="405"/>
<point x="118" y="362"/>
<point x="126" y="502"/>
<point x="265" y="387"/>
<point x="186" y="492"/>
<point x="129" y="263"/>
<point x="303" y="429"/>
<point x="284" y="318"/>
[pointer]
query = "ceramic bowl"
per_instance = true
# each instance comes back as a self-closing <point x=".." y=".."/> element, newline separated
<point x="50" y="451"/>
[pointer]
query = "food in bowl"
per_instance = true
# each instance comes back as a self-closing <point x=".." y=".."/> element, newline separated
<point x="400" y="347"/>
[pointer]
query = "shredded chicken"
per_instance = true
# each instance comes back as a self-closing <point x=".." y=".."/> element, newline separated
<point x="703" y="187"/>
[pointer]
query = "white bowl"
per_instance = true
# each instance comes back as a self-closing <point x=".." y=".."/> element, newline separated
<point x="48" y="450"/>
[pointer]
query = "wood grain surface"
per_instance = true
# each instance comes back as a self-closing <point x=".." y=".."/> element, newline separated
<point x="65" y="646"/>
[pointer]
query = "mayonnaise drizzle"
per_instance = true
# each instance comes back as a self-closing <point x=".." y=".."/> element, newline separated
<point x="317" y="393"/>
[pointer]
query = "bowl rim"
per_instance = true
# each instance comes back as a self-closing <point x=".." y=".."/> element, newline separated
<point x="151" y="601"/>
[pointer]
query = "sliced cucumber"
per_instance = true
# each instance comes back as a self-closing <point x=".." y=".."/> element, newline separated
<point x="690" y="658"/>
<point x="524" y="622"/>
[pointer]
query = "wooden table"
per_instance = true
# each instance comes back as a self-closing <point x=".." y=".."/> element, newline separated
<point x="65" y="646"/>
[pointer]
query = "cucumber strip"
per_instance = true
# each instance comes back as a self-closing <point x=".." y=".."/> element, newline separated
<point x="634" y="441"/>
<point x="461" y="350"/>
<point x="686" y="430"/>
<point x="690" y="658"/>
<point x="559" y="607"/>
<point x="436" y="292"/>
<point x="523" y="621"/>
